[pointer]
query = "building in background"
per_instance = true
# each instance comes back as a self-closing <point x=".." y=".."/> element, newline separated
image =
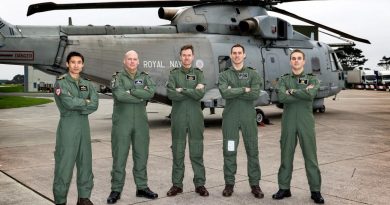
<point x="38" y="81"/>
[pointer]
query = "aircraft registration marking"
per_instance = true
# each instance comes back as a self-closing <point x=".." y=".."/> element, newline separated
<point x="17" y="55"/>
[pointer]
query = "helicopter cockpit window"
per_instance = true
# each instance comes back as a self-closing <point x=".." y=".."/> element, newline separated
<point x="224" y="62"/>
<point x="334" y="62"/>
<point x="315" y="65"/>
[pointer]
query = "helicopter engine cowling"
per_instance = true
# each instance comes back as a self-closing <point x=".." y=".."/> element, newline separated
<point x="267" y="27"/>
<point x="167" y="13"/>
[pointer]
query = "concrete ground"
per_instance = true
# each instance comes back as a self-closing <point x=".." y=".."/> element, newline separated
<point x="353" y="140"/>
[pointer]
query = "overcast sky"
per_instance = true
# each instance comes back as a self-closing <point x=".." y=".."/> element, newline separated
<point x="361" y="18"/>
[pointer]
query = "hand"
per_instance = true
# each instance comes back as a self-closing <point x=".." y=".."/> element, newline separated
<point x="310" y="87"/>
<point x="247" y="90"/>
<point x="128" y="91"/>
<point x="229" y="87"/>
<point x="199" y="86"/>
<point x="179" y="90"/>
<point x="87" y="101"/>
<point x="146" y="88"/>
<point x="289" y="91"/>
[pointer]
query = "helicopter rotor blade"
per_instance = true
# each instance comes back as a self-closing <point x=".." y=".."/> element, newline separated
<point x="343" y="34"/>
<point x="49" y="6"/>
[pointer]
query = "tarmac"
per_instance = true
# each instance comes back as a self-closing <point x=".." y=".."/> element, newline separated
<point x="353" y="142"/>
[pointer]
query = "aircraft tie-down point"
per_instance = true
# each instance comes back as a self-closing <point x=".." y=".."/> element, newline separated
<point x="212" y="27"/>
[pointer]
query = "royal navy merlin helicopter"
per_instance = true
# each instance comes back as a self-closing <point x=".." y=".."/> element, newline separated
<point x="212" y="27"/>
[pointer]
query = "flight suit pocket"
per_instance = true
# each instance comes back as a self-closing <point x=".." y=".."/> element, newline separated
<point x="196" y="149"/>
<point x="178" y="148"/>
<point x="192" y="80"/>
<point x="139" y="83"/>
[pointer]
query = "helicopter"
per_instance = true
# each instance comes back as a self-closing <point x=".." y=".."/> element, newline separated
<point x="211" y="26"/>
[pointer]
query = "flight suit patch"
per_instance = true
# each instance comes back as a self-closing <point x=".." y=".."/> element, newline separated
<point x="302" y="81"/>
<point x="138" y="82"/>
<point x="243" y="76"/>
<point x="58" y="91"/>
<point x="113" y="82"/>
<point x="83" y="88"/>
<point x="190" y="77"/>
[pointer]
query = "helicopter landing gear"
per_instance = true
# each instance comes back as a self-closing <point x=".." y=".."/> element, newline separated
<point x="321" y="109"/>
<point x="260" y="117"/>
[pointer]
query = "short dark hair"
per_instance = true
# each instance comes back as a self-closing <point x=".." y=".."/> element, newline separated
<point x="297" y="51"/>
<point x="237" y="46"/>
<point x="74" y="53"/>
<point x="185" y="47"/>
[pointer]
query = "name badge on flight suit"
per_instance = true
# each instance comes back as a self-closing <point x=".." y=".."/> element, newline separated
<point x="83" y="88"/>
<point x="138" y="82"/>
<point x="243" y="76"/>
<point x="302" y="81"/>
<point x="190" y="77"/>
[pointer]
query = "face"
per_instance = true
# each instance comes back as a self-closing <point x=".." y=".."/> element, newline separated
<point x="186" y="58"/>
<point x="237" y="55"/>
<point x="75" y="65"/>
<point x="131" y="61"/>
<point x="296" y="61"/>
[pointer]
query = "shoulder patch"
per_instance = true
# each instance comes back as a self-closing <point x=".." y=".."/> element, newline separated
<point x="174" y="69"/>
<point x="61" y="77"/>
<point x="145" y="73"/>
<point x="196" y="68"/>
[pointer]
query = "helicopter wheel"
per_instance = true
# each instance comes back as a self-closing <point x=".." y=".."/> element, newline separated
<point x="322" y="109"/>
<point x="260" y="116"/>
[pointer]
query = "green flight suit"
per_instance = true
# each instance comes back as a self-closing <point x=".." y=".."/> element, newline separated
<point x="73" y="138"/>
<point x="187" y="117"/>
<point x="298" y="121"/>
<point x="239" y="114"/>
<point x="130" y="127"/>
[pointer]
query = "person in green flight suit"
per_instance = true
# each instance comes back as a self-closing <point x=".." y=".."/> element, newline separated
<point x="297" y="91"/>
<point x="76" y="98"/>
<point x="185" y="88"/>
<point x="240" y="86"/>
<point x="131" y="89"/>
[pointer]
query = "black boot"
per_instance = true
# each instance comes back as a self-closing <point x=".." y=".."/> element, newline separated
<point x="281" y="194"/>
<point x="147" y="193"/>
<point x="114" y="196"/>
<point x="316" y="196"/>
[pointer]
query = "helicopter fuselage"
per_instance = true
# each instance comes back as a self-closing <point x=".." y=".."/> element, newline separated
<point x="267" y="49"/>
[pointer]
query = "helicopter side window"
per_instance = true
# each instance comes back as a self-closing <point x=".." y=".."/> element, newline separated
<point x="315" y="65"/>
<point x="224" y="62"/>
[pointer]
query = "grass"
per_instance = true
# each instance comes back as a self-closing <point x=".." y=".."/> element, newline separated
<point x="18" y="101"/>
<point x="12" y="88"/>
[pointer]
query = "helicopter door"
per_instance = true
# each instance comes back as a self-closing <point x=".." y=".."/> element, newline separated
<point x="336" y="67"/>
<point x="272" y="71"/>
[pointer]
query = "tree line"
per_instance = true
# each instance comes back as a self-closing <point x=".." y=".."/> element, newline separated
<point x="351" y="57"/>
